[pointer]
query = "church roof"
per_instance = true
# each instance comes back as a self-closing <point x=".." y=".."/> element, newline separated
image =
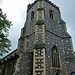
<point x="12" y="54"/>
<point x="30" y="5"/>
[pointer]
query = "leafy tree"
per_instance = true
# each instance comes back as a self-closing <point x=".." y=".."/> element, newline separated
<point x="5" y="25"/>
<point x="74" y="52"/>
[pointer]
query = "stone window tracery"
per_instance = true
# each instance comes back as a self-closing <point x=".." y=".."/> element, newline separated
<point x="55" y="57"/>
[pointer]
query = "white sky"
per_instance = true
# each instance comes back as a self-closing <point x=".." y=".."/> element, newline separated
<point x="16" y="12"/>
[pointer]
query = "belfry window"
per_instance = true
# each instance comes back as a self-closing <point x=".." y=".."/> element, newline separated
<point x="55" y="57"/>
<point x="51" y="14"/>
<point x="32" y="15"/>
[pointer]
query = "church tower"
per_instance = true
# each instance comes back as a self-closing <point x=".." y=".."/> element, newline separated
<point x="45" y="47"/>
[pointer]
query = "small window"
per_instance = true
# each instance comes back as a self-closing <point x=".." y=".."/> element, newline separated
<point x="32" y="15"/>
<point x="57" y="73"/>
<point x="51" y="14"/>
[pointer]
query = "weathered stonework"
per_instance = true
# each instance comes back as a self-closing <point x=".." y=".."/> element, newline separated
<point x="8" y="63"/>
<point x="24" y="64"/>
<point x="45" y="47"/>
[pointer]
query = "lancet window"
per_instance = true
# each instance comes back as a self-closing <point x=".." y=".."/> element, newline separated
<point x="55" y="57"/>
<point x="32" y="15"/>
<point x="51" y="14"/>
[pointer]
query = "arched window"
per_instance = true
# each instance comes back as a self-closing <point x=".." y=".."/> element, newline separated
<point x="55" y="57"/>
<point x="32" y="15"/>
<point x="51" y="14"/>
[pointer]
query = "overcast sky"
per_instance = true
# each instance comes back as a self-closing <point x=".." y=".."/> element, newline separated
<point x="16" y="12"/>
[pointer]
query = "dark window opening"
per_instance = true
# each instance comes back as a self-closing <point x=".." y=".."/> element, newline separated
<point x="51" y="14"/>
<point x="57" y="73"/>
<point x="32" y="15"/>
<point x="55" y="57"/>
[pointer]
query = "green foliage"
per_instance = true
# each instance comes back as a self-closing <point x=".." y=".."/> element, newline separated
<point x="74" y="52"/>
<point x="5" y="25"/>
